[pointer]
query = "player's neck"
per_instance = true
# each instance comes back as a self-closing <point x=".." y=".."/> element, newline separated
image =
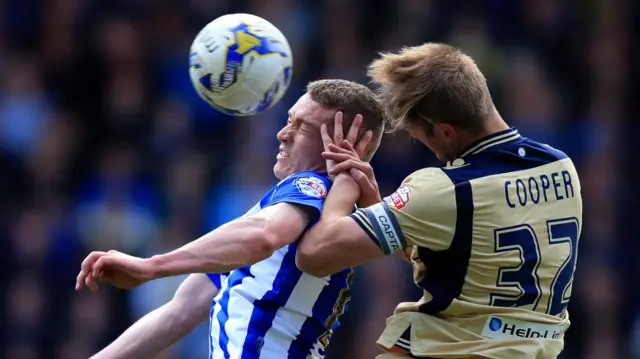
<point x="493" y="125"/>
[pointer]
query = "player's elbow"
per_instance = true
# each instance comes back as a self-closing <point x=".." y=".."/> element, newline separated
<point x="265" y="239"/>
<point x="310" y="266"/>
<point x="309" y="259"/>
<point x="191" y="303"/>
<point x="264" y="244"/>
<point x="306" y="263"/>
<point x="263" y="236"/>
<point x="185" y="315"/>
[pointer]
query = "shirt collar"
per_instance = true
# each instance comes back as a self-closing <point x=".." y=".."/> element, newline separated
<point x="491" y="140"/>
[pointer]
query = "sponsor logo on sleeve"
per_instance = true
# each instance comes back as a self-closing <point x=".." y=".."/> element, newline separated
<point x="311" y="186"/>
<point x="400" y="198"/>
<point x="502" y="328"/>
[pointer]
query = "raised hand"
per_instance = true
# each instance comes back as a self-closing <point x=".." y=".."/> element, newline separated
<point x="361" y="171"/>
<point x="344" y="155"/>
<point x="338" y="139"/>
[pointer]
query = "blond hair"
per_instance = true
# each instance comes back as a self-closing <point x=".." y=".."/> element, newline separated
<point x="352" y="99"/>
<point x="432" y="83"/>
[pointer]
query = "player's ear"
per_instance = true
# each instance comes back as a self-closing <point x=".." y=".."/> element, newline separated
<point x="446" y="130"/>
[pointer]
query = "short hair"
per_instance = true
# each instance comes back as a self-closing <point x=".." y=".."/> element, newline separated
<point x="352" y="99"/>
<point x="432" y="83"/>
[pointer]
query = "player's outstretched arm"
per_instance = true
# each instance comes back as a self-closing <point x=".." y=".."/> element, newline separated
<point x="159" y="329"/>
<point x="336" y="242"/>
<point x="244" y="241"/>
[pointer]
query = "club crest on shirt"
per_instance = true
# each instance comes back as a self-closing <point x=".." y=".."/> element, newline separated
<point x="311" y="186"/>
<point x="399" y="198"/>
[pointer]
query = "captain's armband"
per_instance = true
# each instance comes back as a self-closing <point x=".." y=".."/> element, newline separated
<point x="382" y="227"/>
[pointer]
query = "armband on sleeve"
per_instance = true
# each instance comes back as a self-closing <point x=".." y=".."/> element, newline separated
<point x="382" y="227"/>
<point x="422" y="212"/>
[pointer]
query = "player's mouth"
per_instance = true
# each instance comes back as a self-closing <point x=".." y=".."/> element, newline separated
<point x="282" y="154"/>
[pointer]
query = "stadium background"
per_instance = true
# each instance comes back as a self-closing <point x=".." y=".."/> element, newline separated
<point x="104" y="144"/>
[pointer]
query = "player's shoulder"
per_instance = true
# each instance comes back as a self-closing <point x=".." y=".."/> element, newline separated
<point x="308" y="183"/>
<point x="431" y="176"/>
<point x="538" y="151"/>
<point x="517" y="154"/>
<point x="425" y="184"/>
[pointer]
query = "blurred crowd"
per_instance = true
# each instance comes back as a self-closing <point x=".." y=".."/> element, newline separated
<point x="105" y="145"/>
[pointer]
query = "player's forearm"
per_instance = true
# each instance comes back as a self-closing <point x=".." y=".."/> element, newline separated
<point x="228" y="247"/>
<point x="341" y="199"/>
<point x="339" y="204"/>
<point x="316" y="254"/>
<point x="149" y="336"/>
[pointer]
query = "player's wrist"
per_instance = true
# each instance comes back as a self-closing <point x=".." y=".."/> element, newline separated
<point x="343" y="196"/>
<point x="345" y="183"/>
<point x="369" y="200"/>
<point x="158" y="266"/>
<point x="178" y="262"/>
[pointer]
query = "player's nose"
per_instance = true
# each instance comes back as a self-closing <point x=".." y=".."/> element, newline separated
<point x="284" y="134"/>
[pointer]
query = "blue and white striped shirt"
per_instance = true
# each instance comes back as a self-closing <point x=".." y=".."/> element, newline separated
<point x="271" y="309"/>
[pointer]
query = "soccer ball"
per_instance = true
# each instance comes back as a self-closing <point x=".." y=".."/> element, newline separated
<point x="240" y="64"/>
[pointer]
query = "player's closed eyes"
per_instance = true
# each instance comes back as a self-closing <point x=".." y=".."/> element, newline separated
<point x="305" y="128"/>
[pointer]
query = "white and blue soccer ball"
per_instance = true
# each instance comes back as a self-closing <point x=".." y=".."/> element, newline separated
<point x="240" y="64"/>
